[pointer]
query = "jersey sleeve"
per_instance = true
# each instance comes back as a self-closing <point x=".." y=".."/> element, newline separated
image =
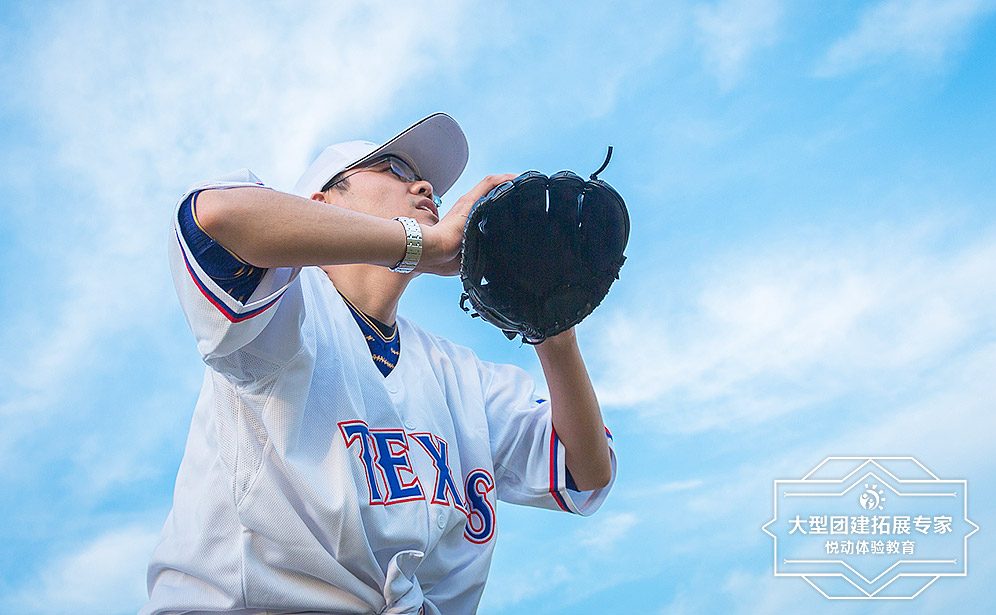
<point x="530" y="461"/>
<point x="228" y="304"/>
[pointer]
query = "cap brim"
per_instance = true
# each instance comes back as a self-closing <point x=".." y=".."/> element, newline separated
<point x="435" y="147"/>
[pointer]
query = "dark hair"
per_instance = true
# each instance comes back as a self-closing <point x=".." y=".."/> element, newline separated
<point x="342" y="185"/>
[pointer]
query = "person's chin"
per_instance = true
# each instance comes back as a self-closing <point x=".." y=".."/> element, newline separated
<point x="426" y="217"/>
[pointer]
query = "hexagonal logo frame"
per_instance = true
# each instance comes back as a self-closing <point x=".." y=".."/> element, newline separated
<point x="870" y="528"/>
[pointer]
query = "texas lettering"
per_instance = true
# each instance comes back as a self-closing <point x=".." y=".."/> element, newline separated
<point x="383" y="454"/>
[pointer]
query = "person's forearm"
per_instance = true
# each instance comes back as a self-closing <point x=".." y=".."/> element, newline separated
<point x="576" y="415"/>
<point x="271" y="229"/>
<point x="267" y="228"/>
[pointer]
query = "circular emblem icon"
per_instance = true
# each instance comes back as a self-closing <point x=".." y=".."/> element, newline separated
<point x="872" y="498"/>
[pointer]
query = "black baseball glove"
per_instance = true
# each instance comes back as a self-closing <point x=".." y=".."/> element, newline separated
<point x="539" y="253"/>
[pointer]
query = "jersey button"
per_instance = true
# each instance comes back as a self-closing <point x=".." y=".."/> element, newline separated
<point x="441" y="521"/>
<point x="409" y="425"/>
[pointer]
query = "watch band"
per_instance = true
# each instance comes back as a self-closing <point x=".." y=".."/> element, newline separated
<point x="413" y="246"/>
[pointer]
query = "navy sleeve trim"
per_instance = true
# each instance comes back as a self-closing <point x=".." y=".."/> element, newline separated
<point x="570" y="480"/>
<point x="236" y="277"/>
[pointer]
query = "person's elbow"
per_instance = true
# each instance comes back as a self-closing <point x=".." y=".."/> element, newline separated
<point x="213" y="210"/>
<point x="604" y="477"/>
<point x="597" y="476"/>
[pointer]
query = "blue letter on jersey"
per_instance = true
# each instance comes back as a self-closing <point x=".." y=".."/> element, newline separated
<point x="437" y="449"/>
<point x="352" y="430"/>
<point x="392" y="457"/>
<point x="480" y="516"/>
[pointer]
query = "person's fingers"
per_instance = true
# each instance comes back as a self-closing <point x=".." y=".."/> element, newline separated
<point x="486" y="185"/>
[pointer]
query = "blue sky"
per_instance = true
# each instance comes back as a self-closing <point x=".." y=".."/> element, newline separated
<point x="811" y="273"/>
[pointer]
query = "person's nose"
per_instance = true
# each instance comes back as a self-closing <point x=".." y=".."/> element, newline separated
<point x="421" y="188"/>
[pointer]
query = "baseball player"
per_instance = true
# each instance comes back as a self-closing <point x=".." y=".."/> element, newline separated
<point x="341" y="459"/>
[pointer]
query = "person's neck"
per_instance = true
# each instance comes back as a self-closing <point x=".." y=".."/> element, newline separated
<point x="373" y="289"/>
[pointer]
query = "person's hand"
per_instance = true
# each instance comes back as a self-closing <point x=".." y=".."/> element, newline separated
<point x="442" y="243"/>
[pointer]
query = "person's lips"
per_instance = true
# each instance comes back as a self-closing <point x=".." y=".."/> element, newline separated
<point x="429" y="206"/>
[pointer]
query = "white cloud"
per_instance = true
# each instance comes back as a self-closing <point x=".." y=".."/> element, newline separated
<point x="947" y="426"/>
<point x="607" y="531"/>
<point x="949" y="430"/>
<point x="143" y="100"/>
<point x="575" y="63"/>
<point x="671" y="487"/>
<point x="772" y="329"/>
<point x="922" y="30"/>
<point x="523" y="584"/>
<point x="767" y="594"/>
<point x="731" y="31"/>
<point x="105" y="576"/>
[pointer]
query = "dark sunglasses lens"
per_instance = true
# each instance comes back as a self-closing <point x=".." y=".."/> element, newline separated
<point x="401" y="169"/>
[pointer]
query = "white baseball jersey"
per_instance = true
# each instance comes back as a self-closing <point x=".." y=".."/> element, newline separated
<point x="313" y="483"/>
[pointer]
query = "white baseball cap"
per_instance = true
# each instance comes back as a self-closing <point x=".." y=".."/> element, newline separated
<point x="435" y="147"/>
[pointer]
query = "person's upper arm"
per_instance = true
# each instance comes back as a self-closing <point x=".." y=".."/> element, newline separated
<point x="530" y="461"/>
<point x="228" y="303"/>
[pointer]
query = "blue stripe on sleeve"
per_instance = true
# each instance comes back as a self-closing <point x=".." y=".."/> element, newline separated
<point x="236" y="277"/>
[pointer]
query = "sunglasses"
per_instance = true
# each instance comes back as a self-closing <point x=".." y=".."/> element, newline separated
<point x="398" y="167"/>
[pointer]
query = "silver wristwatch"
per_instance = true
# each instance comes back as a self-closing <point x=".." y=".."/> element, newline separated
<point x="413" y="246"/>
